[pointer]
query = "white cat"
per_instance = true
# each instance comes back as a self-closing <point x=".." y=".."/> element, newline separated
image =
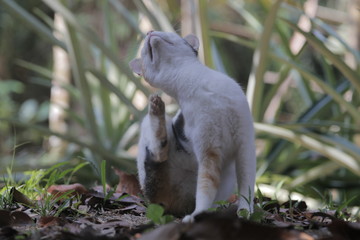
<point x="215" y="131"/>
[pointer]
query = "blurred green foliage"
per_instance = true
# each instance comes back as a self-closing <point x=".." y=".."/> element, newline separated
<point x="300" y="73"/>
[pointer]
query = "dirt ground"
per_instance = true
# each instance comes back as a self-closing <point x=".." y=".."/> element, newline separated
<point x="89" y="215"/>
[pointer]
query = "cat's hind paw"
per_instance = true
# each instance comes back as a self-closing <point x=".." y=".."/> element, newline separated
<point x="157" y="106"/>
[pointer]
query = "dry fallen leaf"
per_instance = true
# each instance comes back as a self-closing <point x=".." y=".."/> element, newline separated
<point x="128" y="183"/>
<point x="14" y="218"/>
<point x="19" y="197"/>
<point x="58" y="190"/>
<point x="298" y="205"/>
<point x="20" y="218"/>
<point x="46" y="221"/>
<point x="121" y="216"/>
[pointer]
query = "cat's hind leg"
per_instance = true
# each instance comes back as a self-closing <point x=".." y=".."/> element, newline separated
<point x="153" y="143"/>
<point x="154" y="129"/>
<point x="227" y="184"/>
<point x="208" y="180"/>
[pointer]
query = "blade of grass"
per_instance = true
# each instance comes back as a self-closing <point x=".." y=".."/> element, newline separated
<point x="106" y="108"/>
<point x="122" y="159"/>
<point x="334" y="34"/>
<point x="314" y="173"/>
<point x="233" y="38"/>
<point x="350" y="74"/>
<point x="44" y="17"/>
<point x="74" y="93"/>
<point x="129" y="18"/>
<point x="278" y="147"/>
<point x="31" y="22"/>
<point x="332" y="153"/>
<point x="283" y="195"/>
<point x="327" y="28"/>
<point x="103" y="176"/>
<point x="256" y="84"/>
<point x="340" y="142"/>
<point x="130" y="134"/>
<point x="275" y="92"/>
<point x="142" y="8"/>
<point x="74" y="170"/>
<point x="94" y="39"/>
<point x="36" y="68"/>
<point x="112" y="88"/>
<point x="106" y="105"/>
<point x="324" y="86"/>
<point x="315" y="124"/>
<point x="77" y="64"/>
<point x="325" y="102"/>
<point x="153" y="8"/>
<point x="204" y="26"/>
<point x="119" y="134"/>
<point x="248" y="16"/>
<point x="303" y="87"/>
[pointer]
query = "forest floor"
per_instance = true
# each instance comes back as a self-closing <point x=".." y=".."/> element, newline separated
<point x="90" y="215"/>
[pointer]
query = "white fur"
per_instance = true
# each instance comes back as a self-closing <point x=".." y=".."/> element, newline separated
<point x="216" y="113"/>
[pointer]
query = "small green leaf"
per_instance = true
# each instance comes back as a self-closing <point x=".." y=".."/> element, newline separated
<point x="154" y="212"/>
<point x="257" y="216"/>
<point x="244" y="213"/>
<point x="103" y="177"/>
<point x="166" y="219"/>
<point x="221" y="202"/>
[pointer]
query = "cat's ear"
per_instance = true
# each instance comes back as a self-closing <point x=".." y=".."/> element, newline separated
<point x="136" y="66"/>
<point x="193" y="41"/>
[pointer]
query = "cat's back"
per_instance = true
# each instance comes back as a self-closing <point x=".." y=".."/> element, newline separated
<point x="218" y="89"/>
<point x="217" y="103"/>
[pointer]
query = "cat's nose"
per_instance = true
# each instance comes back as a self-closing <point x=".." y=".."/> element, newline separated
<point x="149" y="32"/>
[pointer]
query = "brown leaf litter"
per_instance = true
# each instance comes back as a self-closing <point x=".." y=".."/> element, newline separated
<point x="87" y="214"/>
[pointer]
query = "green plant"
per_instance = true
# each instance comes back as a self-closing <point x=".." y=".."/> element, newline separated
<point x="7" y="105"/>
<point x="322" y="122"/>
<point x="155" y="213"/>
<point x="256" y="216"/>
<point x="35" y="186"/>
<point x="51" y="205"/>
<point x="6" y="195"/>
<point x="341" y="211"/>
<point x="107" y="194"/>
<point x="220" y="205"/>
<point x="258" y="213"/>
<point x="98" y="74"/>
<point x="5" y="198"/>
<point x="37" y="182"/>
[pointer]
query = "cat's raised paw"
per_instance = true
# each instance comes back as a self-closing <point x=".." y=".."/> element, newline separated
<point x="157" y="106"/>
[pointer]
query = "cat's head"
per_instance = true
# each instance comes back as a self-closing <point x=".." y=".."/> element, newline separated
<point x="163" y="51"/>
